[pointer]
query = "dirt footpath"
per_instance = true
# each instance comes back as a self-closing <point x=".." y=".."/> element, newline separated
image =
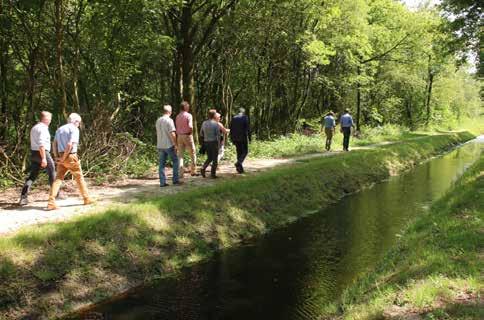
<point x="13" y="217"/>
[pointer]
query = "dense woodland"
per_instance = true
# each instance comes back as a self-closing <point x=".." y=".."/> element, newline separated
<point x="116" y="62"/>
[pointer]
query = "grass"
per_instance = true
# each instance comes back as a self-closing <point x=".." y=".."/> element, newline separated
<point x="435" y="272"/>
<point x="49" y="270"/>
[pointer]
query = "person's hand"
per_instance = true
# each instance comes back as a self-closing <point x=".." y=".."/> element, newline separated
<point x="43" y="163"/>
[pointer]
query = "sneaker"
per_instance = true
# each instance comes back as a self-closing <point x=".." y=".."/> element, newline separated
<point x="23" y="202"/>
<point x="51" y="207"/>
<point x="202" y="172"/>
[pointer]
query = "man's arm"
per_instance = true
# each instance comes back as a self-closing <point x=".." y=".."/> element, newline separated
<point x="223" y="129"/>
<point x="54" y="149"/>
<point x="190" y="124"/>
<point x="247" y="128"/>
<point x="67" y="152"/>
<point x="173" y="138"/>
<point x="43" y="162"/>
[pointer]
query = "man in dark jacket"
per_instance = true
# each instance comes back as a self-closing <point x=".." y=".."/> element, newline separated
<point x="240" y="136"/>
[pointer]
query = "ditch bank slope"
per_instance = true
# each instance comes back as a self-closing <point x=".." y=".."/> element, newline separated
<point x="50" y="270"/>
<point x="435" y="270"/>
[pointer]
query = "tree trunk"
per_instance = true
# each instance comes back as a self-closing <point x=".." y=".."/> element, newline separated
<point x="77" y="59"/>
<point x="3" y="83"/>
<point x="358" y="100"/>
<point x="187" y="90"/>
<point x="430" y="82"/>
<point x="59" y="37"/>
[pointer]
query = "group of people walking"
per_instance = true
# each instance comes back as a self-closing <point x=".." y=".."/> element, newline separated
<point x="329" y="124"/>
<point x="176" y="137"/>
<point x="64" y="148"/>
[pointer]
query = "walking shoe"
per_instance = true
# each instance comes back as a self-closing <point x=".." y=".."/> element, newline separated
<point x="202" y="172"/>
<point x="23" y="201"/>
<point x="51" y="207"/>
<point x="89" y="201"/>
<point x="165" y="185"/>
<point x="213" y="177"/>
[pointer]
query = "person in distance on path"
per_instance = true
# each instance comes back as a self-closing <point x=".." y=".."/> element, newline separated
<point x="329" y="126"/>
<point x="66" y="144"/>
<point x="346" y="122"/>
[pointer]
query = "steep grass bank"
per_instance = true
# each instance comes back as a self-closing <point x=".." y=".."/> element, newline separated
<point x="48" y="270"/>
<point x="435" y="272"/>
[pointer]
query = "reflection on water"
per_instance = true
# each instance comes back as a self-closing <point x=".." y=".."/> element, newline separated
<point x="293" y="272"/>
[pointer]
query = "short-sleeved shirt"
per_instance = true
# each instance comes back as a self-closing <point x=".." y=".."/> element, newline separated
<point x="210" y="131"/>
<point x="184" y="123"/>
<point x="66" y="134"/>
<point x="346" y="120"/>
<point x="329" y="122"/>
<point x="164" y="128"/>
<point x="40" y="137"/>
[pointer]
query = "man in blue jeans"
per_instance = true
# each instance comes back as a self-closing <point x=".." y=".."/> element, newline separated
<point x="346" y="125"/>
<point x="166" y="144"/>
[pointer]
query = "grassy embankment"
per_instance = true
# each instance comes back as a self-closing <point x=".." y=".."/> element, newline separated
<point x="435" y="272"/>
<point x="51" y="269"/>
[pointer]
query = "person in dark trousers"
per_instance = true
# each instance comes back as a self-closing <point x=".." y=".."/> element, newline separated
<point x="40" y="155"/>
<point x="210" y="135"/>
<point x="240" y="136"/>
<point x="346" y="122"/>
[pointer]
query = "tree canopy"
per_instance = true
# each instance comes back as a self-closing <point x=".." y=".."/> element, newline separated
<point x="117" y="62"/>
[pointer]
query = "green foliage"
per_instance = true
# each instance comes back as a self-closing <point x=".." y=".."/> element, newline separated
<point x="117" y="62"/>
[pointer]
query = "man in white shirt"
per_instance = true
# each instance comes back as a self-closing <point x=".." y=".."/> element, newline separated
<point x="40" y="155"/>
<point x="166" y="144"/>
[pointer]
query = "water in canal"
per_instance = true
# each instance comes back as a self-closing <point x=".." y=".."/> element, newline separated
<point x="294" y="271"/>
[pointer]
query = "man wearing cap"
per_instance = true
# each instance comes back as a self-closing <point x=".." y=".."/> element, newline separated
<point x="184" y="132"/>
<point x="166" y="144"/>
<point x="40" y="157"/>
<point x="240" y="136"/>
<point x="66" y="143"/>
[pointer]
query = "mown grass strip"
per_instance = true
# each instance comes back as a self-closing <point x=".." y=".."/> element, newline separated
<point x="48" y="270"/>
